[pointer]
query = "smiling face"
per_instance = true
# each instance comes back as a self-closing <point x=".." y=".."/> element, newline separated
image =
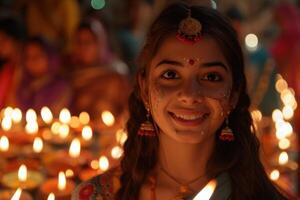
<point x="188" y="88"/>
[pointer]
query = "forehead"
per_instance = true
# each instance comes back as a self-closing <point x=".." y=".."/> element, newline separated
<point x="205" y="50"/>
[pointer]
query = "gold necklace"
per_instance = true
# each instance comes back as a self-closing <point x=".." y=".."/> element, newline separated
<point x="184" y="190"/>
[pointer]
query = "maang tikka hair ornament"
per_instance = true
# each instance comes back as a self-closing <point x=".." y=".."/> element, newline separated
<point x="147" y="128"/>
<point x="189" y="29"/>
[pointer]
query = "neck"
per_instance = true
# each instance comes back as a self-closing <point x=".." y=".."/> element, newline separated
<point x="184" y="161"/>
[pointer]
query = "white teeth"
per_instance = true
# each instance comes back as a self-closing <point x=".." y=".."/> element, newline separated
<point x="188" y="117"/>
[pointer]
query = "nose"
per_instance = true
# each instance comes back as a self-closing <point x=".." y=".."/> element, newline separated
<point x="190" y="93"/>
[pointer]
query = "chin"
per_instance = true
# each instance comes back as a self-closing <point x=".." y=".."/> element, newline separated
<point x="190" y="137"/>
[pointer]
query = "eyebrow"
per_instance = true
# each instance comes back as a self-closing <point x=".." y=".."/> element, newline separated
<point x="207" y="64"/>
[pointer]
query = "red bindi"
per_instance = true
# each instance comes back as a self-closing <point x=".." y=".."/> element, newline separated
<point x="191" y="61"/>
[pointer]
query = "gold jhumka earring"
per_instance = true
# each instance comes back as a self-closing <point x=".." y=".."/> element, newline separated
<point x="227" y="133"/>
<point x="147" y="128"/>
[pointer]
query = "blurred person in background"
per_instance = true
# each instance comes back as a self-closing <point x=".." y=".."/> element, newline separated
<point x="41" y="85"/>
<point x="12" y="34"/>
<point x="56" y="20"/>
<point x="98" y="78"/>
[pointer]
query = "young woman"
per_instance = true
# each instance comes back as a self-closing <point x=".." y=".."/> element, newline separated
<point x="189" y="120"/>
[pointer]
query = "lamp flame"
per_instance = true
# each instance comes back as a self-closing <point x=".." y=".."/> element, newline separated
<point x="61" y="181"/>
<point x="207" y="191"/>
<point x="108" y="118"/>
<point x="51" y="196"/>
<point x="46" y="115"/>
<point x="22" y="173"/>
<point x="17" y="194"/>
<point x="87" y="133"/>
<point x="65" y="116"/>
<point x="103" y="163"/>
<point x="37" y="145"/>
<point x="74" y="150"/>
<point x="4" y="143"/>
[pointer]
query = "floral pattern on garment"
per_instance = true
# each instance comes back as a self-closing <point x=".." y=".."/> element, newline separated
<point x="101" y="187"/>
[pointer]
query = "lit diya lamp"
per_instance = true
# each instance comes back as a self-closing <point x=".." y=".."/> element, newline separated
<point x="47" y="116"/>
<point x="36" y="149"/>
<point x="207" y="191"/>
<point x="23" y="178"/>
<point x="6" y="149"/>
<point x="60" y="187"/>
<point x="86" y="136"/>
<point x="19" y="194"/>
<point x="96" y="167"/>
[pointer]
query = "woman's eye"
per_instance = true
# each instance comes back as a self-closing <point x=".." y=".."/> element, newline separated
<point x="212" y="77"/>
<point x="170" y="75"/>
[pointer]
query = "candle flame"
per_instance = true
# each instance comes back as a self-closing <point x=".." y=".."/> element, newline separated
<point x="207" y="191"/>
<point x="51" y="196"/>
<point x="94" y="164"/>
<point x="31" y="116"/>
<point x="16" y="115"/>
<point x="37" y="145"/>
<point x="87" y="133"/>
<point x="4" y="143"/>
<point x="69" y="173"/>
<point x="84" y="118"/>
<point x="46" y="115"/>
<point x="63" y="131"/>
<point x="22" y="173"/>
<point x="121" y="136"/>
<point x="55" y="128"/>
<point x="6" y="123"/>
<point x="274" y="175"/>
<point x="116" y="152"/>
<point x="108" y="118"/>
<point x="283" y="158"/>
<point x="17" y="194"/>
<point x="32" y="127"/>
<point x="74" y="123"/>
<point x="103" y="163"/>
<point x="65" y="116"/>
<point x="74" y="150"/>
<point x="61" y="181"/>
<point x="284" y="143"/>
<point x="8" y="111"/>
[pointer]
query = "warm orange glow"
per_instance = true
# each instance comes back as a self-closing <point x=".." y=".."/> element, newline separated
<point x="116" y="152"/>
<point x="55" y="128"/>
<point x="84" y="118"/>
<point x="16" y="115"/>
<point x="61" y="181"/>
<point x="64" y="131"/>
<point x="94" y="164"/>
<point x="6" y="123"/>
<point x="281" y="85"/>
<point x="51" y="196"/>
<point x="288" y="112"/>
<point x="69" y="173"/>
<point x="121" y="136"/>
<point x="256" y="115"/>
<point x="207" y="191"/>
<point x="47" y="115"/>
<point x="277" y="115"/>
<point x="17" y="194"/>
<point x="284" y="143"/>
<point x="283" y="158"/>
<point x="65" y="116"/>
<point x="37" y="145"/>
<point x="74" y="150"/>
<point x="275" y="174"/>
<point x="87" y="133"/>
<point x="103" y="163"/>
<point x="107" y="118"/>
<point x="22" y="173"/>
<point x="31" y="116"/>
<point x="32" y="127"/>
<point x="4" y="143"/>
<point x="8" y="111"/>
<point x="74" y="123"/>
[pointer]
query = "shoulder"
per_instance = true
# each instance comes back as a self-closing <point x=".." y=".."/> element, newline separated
<point x="101" y="187"/>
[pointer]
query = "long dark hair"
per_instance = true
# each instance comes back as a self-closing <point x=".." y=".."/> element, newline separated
<point x="239" y="158"/>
